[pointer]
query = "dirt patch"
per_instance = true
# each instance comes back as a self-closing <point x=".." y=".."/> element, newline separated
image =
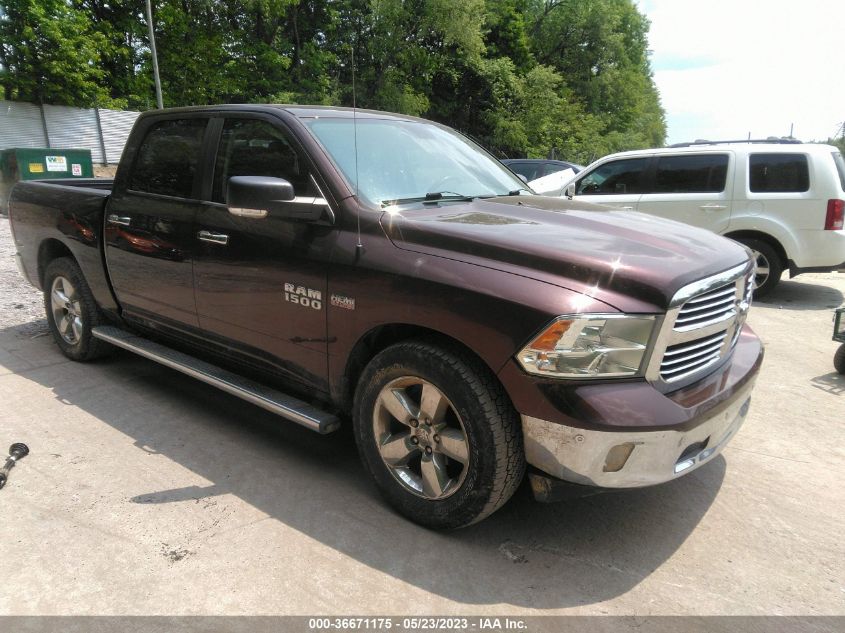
<point x="174" y="554"/>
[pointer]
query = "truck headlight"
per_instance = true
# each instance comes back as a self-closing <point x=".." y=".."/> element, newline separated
<point x="589" y="346"/>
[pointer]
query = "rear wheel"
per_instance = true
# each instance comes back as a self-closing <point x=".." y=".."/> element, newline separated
<point x="438" y="434"/>
<point x="72" y="311"/>
<point x="769" y="265"/>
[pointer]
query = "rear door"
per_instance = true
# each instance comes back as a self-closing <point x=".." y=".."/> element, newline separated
<point x="149" y="223"/>
<point x="261" y="282"/>
<point x="691" y="188"/>
<point x="616" y="183"/>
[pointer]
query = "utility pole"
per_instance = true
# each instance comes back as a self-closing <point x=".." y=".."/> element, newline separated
<point x="155" y="56"/>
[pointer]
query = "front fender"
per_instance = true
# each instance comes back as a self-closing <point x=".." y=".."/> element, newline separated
<point x="490" y="312"/>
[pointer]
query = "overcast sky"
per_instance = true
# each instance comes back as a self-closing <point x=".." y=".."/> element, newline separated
<point x="725" y="68"/>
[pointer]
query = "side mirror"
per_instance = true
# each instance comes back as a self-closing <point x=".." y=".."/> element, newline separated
<point x="570" y="190"/>
<point x="258" y="196"/>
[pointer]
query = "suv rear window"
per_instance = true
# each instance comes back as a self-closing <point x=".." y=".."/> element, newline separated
<point x="778" y="173"/>
<point x="840" y="168"/>
<point x="167" y="159"/>
<point x="691" y="174"/>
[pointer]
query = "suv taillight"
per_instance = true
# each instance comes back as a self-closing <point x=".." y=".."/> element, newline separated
<point x="835" y="220"/>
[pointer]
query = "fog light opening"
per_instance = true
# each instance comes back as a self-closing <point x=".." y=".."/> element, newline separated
<point x="617" y="457"/>
<point x="690" y="455"/>
<point x="682" y="466"/>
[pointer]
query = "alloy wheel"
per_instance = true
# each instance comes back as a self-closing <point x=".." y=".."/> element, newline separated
<point x="67" y="312"/>
<point x="421" y="437"/>
<point x="763" y="267"/>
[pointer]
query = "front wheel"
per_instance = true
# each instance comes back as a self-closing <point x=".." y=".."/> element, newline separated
<point x="438" y="434"/>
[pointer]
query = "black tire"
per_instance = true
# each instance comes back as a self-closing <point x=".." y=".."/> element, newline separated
<point x="766" y="254"/>
<point x="476" y="405"/>
<point x="71" y="326"/>
<point x="839" y="359"/>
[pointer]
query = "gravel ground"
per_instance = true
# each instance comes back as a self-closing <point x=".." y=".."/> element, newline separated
<point x="20" y="303"/>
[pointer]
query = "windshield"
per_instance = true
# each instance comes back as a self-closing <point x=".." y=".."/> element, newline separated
<point x="409" y="160"/>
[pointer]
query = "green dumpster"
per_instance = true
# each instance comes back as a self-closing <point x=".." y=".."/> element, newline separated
<point x="28" y="163"/>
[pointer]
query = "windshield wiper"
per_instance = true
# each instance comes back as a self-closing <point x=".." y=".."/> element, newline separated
<point x="430" y="197"/>
<point x="515" y="192"/>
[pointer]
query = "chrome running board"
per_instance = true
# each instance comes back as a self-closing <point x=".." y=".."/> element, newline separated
<point x="267" y="398"/>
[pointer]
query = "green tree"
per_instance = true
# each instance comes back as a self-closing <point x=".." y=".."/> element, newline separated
<point x="409" y="42"/>
<point x="525" y="77"/>
<point x="193" y="61"/>
<point x="123" y="53"/>
<point x="50" y="53"/>
<point x="506" y="33"/>
<point x="600" y="47"/>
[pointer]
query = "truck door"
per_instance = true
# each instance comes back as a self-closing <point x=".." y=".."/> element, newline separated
<point x="616" y="183"/>
<point x="691" y="188"/>
<point x="261" y="283"/>
<point x="149" y="223"/>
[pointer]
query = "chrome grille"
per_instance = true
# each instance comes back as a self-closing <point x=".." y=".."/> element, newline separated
<point x="709" y="307"/>
<point x="687" y="358"/>
<point x="746" y="300"/>
<point x="701" y="326"/>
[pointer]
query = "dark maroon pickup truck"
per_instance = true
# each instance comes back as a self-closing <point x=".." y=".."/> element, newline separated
<point x="385" y="271"/>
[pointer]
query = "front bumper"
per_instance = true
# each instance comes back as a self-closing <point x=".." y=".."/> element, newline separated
<point x="613" y="456"/>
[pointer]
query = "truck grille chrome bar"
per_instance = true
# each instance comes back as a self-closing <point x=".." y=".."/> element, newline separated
<point x="701" y="326"/>
<point x="684" y="359"/>
<point x="716" y="305"/>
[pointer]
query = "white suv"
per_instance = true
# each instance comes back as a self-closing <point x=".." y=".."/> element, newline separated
<point x="782" y="199"/>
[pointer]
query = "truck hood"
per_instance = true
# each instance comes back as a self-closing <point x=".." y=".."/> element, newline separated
<point x="631" y="261"/>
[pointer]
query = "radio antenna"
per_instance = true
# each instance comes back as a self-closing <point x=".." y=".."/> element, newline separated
<point x="359" y="246"/>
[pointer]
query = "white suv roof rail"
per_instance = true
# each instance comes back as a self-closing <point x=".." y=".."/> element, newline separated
<point x="774" y="140"/>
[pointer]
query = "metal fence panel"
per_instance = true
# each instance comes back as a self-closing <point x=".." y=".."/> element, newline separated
<point x="74" y="127"/>
<point x="116" y="126"/>
<point x="21" y="125"/>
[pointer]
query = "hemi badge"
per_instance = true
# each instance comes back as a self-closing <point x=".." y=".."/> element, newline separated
<point x="339" y="301"/>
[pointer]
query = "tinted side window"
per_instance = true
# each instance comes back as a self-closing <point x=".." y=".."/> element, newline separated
<point x="780" y="173"/>
<point x="691" y="174"/>
<point x="530" y="170"/>
<point x="167" y="159"/>
<point x="616" y="177"/>
<point x="250" y="147"/>
<point x="553" y="168"/>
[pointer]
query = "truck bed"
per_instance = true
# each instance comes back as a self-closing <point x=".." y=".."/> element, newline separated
<point x="63" y="216"/>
